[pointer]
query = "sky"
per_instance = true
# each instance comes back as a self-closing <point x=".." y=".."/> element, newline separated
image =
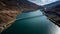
<point x="42" y="2"/>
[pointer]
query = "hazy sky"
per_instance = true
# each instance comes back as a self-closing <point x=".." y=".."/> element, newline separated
<point x="42" y="2"/>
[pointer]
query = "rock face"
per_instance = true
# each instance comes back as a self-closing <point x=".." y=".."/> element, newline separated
<point x="10" y="8"/>
<point x="54" y="14"/>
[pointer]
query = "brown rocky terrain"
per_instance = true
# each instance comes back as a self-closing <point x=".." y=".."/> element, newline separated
<point x="9" y="9"/>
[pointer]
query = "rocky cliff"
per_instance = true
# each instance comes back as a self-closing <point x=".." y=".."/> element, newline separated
<point x="10" y="8"/>
<point x="53" y="13"/>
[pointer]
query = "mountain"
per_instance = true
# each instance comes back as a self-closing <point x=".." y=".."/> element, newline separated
<point x="10" y="8"/>
<point x="52" y="11"/>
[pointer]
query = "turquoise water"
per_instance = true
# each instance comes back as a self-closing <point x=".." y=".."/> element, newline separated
<point x="31" y="23"/>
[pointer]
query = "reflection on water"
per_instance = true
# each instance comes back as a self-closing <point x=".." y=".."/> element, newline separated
<point x="28" y="23"/>
<point x="30" y="14"/>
